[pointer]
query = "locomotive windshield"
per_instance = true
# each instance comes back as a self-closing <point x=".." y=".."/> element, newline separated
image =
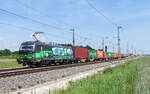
<point x="27" y="47"/>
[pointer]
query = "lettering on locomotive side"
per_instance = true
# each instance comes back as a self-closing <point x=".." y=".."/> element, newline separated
<point x="57" y="51"/>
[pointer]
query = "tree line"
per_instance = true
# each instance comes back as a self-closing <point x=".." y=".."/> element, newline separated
<point x="87" y="46"/>
<point x="7" y="52"/>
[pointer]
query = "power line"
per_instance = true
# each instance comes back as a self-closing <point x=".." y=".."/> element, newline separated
<point x="111" y="22"/>
<point x="25" y="5"/>
<point x="29" y="7"/>
<point x="39" y="12"/>
<point x="53" y="35"/>
<point x="23" y="17"/>
<point x="28" y="29"/>
<point x="85" y="39"/>
<point x="19" y="27"/>
<point x="26" y="18"/>
<point x="100" y="12"/>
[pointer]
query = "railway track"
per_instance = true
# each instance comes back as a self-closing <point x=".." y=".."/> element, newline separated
<point x="12" y="69"/>
<point x="26" y="70"/>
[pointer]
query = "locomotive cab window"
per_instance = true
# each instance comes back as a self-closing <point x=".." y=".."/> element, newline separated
<point x="27" y="47"/>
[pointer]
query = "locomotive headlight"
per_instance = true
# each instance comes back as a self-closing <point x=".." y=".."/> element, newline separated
<point x="22" y="60"/>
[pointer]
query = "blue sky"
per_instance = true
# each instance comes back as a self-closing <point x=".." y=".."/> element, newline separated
<point x="91" y="28"/>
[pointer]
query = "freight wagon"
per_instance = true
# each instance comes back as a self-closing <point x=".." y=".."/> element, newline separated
<point x="109" y="55"/>
<point x="80" y="54"/>
<point x="116" y="55"/>
<point x="92" y="55"/>
<point x="100" y="55"/>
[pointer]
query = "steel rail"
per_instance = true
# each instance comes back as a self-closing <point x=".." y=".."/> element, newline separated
<point x="26" y="70"/>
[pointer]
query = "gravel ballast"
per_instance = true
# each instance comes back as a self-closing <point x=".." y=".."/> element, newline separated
<point x="29" y="80"/>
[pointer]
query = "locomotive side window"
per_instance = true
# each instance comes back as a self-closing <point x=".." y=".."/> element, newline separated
<point x="47" y="47"/>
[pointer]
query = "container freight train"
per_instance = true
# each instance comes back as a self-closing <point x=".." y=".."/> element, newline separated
<point x="35" y="54"/>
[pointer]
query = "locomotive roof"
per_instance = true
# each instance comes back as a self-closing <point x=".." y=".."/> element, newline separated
<point x="31" y="43"/>
<point x="42" y="43"/>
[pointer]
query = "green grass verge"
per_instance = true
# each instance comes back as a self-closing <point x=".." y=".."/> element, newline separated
<point x="8" y="57"/>
<point x="9" y="63"/>
<point x="118" y="80"/>
<point x="143" y="78"/>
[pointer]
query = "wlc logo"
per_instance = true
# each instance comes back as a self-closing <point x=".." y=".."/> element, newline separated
<point x="99" y="53"/>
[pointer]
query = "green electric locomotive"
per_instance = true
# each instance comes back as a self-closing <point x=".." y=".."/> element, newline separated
<point x="36" y="53"/>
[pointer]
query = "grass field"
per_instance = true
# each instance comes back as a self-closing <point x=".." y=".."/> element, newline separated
<point x="143" y="78"/>
<point x="8" y="57"/>
<point x="9" y="63"/>
<point x="119" y="80"/>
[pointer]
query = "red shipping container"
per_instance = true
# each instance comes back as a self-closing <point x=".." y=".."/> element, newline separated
<point x="100" y="54"/>
<point x="113" y="55"/>
<point x="106" y="56"/>
<point x="117" y="55"/>
<point x="80" y="53"/>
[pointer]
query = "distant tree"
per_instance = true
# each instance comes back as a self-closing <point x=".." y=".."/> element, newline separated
<point x="15" y="53"/>
<point x="100" y="49"/>
<point x="5" y="52"/>
<point x="1" y="53"/>
<point x="81" y="46"/>
<point x="89" y="47"/>
<point x="68" y="44"/>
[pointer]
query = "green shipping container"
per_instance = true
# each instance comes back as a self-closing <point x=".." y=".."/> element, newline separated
<point x="109" y="54"/>
<point x="91" y="54"/>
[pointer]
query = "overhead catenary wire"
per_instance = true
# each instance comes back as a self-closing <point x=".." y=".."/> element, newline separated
<point x="32" y="30"/>
<point x="108" y="20"/>
<point x="37" y="11"/>
<point x="83" y="41"/>
<point x="30" y="19"/>
<point x="85" y="38"/>
<point x="100" y="13"/>
<point x="40" y="12"/>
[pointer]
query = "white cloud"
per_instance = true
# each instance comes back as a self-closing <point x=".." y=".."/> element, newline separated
<point x="1" y="38"/>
